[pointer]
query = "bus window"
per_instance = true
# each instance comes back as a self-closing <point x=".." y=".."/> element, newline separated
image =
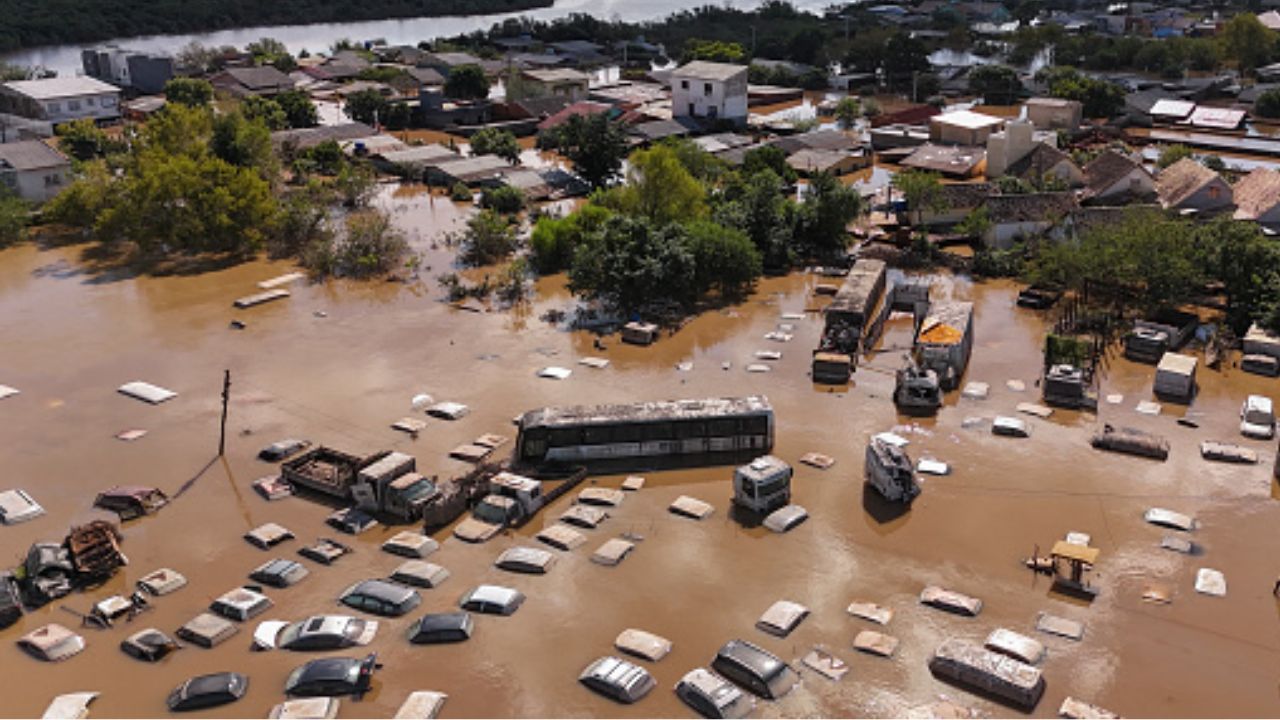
<point x="691" y="429"/>
<point x="757" y="425"/>
<point x="627" y="433"/>
<point x="597" y="435"/>
<point x="658" y="431"/>
<point x="534" y="448"/>
<point x="724" y="428"/>
<point x="566" y="437"/>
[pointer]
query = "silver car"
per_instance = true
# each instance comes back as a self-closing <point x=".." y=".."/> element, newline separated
<point x="618" y="679"/>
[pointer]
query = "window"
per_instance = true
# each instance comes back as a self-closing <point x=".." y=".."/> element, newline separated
<point x="563" y="437"/>
<point x="598" y="435"/>
<point x="758" y="425"/>
<point x="691" y="112"/>
<point x="723" y="428"/>
<point x="73" y="105"/>
<point x="108" y="101"/>
<point x="659" y="431"/>
<point x="53" y="107"/>
<point x="88" y="102"/>
<point x="52" y="180"/>
<point x="627" y="433"/>
<point x="691" y="429"/>
<point x="706" y="89"/>
<point x="684" y="84"/>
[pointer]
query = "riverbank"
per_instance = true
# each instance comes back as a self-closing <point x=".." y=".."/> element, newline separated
<point x="338" y="362"/>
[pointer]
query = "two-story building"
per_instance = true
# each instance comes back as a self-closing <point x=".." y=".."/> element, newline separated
<point x="558" y="82"/>
<point x="710" y="90"/>
<point x="144" y="72"/>
<point x="59" y="100"/>
<point x="33" y="170"/>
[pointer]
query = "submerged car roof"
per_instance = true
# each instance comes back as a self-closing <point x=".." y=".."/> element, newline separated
<point x="336" y="668"/>
<point x="382" y="590"/>
<point x="444" y="621"/>
<point x="757" y="659"/>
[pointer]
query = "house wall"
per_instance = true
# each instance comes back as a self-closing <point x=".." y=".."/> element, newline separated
<point x="1136" y="182"/>
<point x="1003" y="235"/>
<point x="37" y="185"/>
<point x="1270" y="216"/>
<point x="1047" y="117"/>
<point x="98" y="106"/>
<point x="693" y="97"/>
<point x="1213" y="196"/>
<point x="1069" y="172"/>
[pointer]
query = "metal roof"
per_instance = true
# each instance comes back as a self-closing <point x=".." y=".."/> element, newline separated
<point x="30" y="155"/>
<point x="704" y="70"/>
<point x="644" y="411"/>
<point x="53" y="88"/>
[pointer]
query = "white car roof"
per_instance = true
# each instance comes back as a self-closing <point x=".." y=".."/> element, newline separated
<point x="496" y="594"/>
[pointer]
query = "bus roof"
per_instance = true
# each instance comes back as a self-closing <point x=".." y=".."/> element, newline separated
<point x="707" y="408"/>
<point x="861" y="288"/>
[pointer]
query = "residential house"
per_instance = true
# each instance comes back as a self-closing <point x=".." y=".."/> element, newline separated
<point x="953" y="161"/>
<point x="482" y="170"/>
<point x="427" y="78"/>
<point x="446" y="62"/>
<point x="963" y="127"/>
<point x="580" y="52"/>
<point x="1188" y="185"/>
<point x="1046" y="164"/>
<point x="14" y="128"/>
<point x="810" y="161"/>
<point x="1015" y="217"/>
<point x="1217" y="118"/>
<point x="1083" y="220"/>
<point x="1054" y="113"/>
<point x="584" y="108"/>
<point x="262" y="81"/>
<point x="655" y="130"/>
<point x="307" y="138"/>
<point x="1257" y="197"/>
<point x="562" y="82"/>
<point x="953" y="203"/>
<point x="33" y="170"/>
<point x="715" y="91"/>
<point x="144" y="72"/>
<point x="1271" y="20"/>
<point x="142" y="108"/>
<point x="1008" y="146"/>
<point x="1112" y="178"/>
<point x="59" y="100"/>
<point x="817" y="140"/>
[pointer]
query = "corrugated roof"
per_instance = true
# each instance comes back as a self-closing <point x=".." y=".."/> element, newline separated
<point x="58" y="87"/>
<point x="967" y="119"/>
<point x="1221" y="118"/>
<point x="1175" y="109"/>
<point x="30" y="155"/>
<point x="558" y="75"/>
<point x="945" y="159"/>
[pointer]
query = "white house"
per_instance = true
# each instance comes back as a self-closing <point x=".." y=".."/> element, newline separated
<point x="33" y="170"/>
<point x="60" y="100"/>
<point x="710" y="90"/>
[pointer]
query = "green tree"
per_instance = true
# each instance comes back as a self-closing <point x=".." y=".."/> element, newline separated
<point x="487" y="239"/>
<point x="659" y="188"/>
<point x="713" y="51"/>
<point x="922" y="190"/>
<point x="704" y="166"/>
<point x="269" y="51"/>
<point x="1246" y="262"/>
<point x="366" y="106"/>
<point x="995" y="84"/>
<point x="83" y="140"/>
<point x="303" y="221"/>
<point x="595" y="144"/>
<point x="493" y="141"/>
<point x="1172" y="154"/>
<point x="976" y="224"/>
<point x="630" y="264"/>
<point x="1268" y="104"/>
<point x="355" y="184"/>
<point x="244" y="143"/>
<point x="848" y="110"/>
<point x="14" y="216"/>
<point x="824" y="216"/>
<point x="327" y="157"/>
<point x="756" y="206"/>
<point x="1099" y="98"/>
<point x="1247" y="41"/>
<point x="371" y="245"/>
<point x="299" y="111"/>
<point x="467" y="82"/>
<point x="179" y="129"/>
<point x="266" y="110"/>
<point x="904" y="60"/>
<point x="192" y="92"/>
<point x="504" y="199"/>
<point x="768" y="157"/>
<point x="725" y="260"/>
<point x="554" y="239"/>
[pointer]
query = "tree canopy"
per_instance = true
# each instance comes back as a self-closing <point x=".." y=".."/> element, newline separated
<point x="467" y="82"/>
<point x="194" y="92"/>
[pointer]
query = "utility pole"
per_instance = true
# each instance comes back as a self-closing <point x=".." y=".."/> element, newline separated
<point x="226" y="396"/>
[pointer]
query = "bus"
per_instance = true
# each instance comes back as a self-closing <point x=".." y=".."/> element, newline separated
<point x="683" y="433"/>
<point x="847" y="321"/>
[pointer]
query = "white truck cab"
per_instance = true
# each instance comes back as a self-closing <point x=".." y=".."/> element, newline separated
<point x="763" y="485"/>
<point x="1257" y="418"/>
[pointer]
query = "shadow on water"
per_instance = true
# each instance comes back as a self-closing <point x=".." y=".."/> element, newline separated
<point x="881" y="510"/>
<point x="108" y="264"/>
<point x="1003" y="702"/>
<point x="748" y="519"/>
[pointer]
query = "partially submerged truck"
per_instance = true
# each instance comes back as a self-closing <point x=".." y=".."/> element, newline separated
<point x="846" y="321"/>
<point x="1166" y="331"/>
<point x="945" y="341"/>
<point x="889" y="470"/>
<point x="387" y="484"/>
<point x="512" y="500"/>
<point x="763" y="485"/>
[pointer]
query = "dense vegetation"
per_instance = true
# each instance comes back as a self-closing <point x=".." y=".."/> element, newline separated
<point x="28" y="23"/>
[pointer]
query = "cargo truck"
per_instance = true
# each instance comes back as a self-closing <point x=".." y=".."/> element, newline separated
<point x="846" y="321"/>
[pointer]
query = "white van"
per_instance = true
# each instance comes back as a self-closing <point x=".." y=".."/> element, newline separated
<point x="763" y="485"/>
<point x="1257" y="420"/>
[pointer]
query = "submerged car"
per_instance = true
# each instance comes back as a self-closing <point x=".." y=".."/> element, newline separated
<point x="279" y="573"/>
<point x="282" y="449"/>
<point x="755" y="669"/>
<point x="381" y="598"/>
<point x="322" y="632"/>
<point x="331" y="677"/>
<point x="150" y="645"/>
<point x="1257" y="418"/>
<point x="206" y="691"/>
<point x="618" y="679"/>
<point x="492" y="600"/>
<point x="131" y="501"/>
<point x="711" y="696"/>
<point x="437" y="628"/>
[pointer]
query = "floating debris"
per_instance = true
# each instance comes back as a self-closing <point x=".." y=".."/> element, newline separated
<point x="818" y="460"/>
<point x="1148" y="407"/>
<point x="448" y="410"/>
<point x="870" y="611"/>
<point x="281" y="280"/>
<point x="598" y="363"/>
<point x="261" y="298"/>
<point x="1062" y="627"/>
<point x="553" y="372"/>
<point x="976" y="391"/>
<point x="768" y="355"/>
<point x="146" y="392"/>
<point x="778" y="336"/>
<point x="684" y="366"/>
<point x="413" y="426"/>
<point x="1080" y="710"/>
<point x="1158" y="594"/>
<point x="825" y="664"/>
<point x="930" y="466"/>
<point x="1016" y="385"/>
<point x="633" y="483"/>
<point x="6" y="391"/>
<point x="1211" y="582"/>
<point x="1115" y="398"/>
<point x="876" y="643"/>
<point x="1177" y="544"/>
<point x="1034" y="409"/>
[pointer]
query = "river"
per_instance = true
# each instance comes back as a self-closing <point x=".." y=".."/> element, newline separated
<point x="338" y="362"/>
<point x="65" y="59"/>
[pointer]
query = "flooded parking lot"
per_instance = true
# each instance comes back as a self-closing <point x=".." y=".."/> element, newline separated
<point x="338" y="363"/>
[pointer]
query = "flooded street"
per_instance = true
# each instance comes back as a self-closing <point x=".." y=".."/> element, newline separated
<point x="337" y="363"/>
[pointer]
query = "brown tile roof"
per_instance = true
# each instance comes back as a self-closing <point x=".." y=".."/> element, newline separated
<point x="1181" y="180"/>
<point x="1030" y="207"/>
<point x="1257" y="193"/>
<point x="955" y="196"/>
<point x="1106" y="170"/>
<point x="1039" y="161"/>
<point x="30" y="155"/>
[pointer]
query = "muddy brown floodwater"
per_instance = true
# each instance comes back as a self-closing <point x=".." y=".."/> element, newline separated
<point x="337" y="363"/>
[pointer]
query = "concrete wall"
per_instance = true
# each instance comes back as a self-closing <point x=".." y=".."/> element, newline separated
<point x="691" y="97"/>
<point x="37" y="185"/>
<point x="1137" y="182"/>
<point x="99" y="106"/>
<point x="1213" y="196"/>
<point x="1002" y="236"/>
